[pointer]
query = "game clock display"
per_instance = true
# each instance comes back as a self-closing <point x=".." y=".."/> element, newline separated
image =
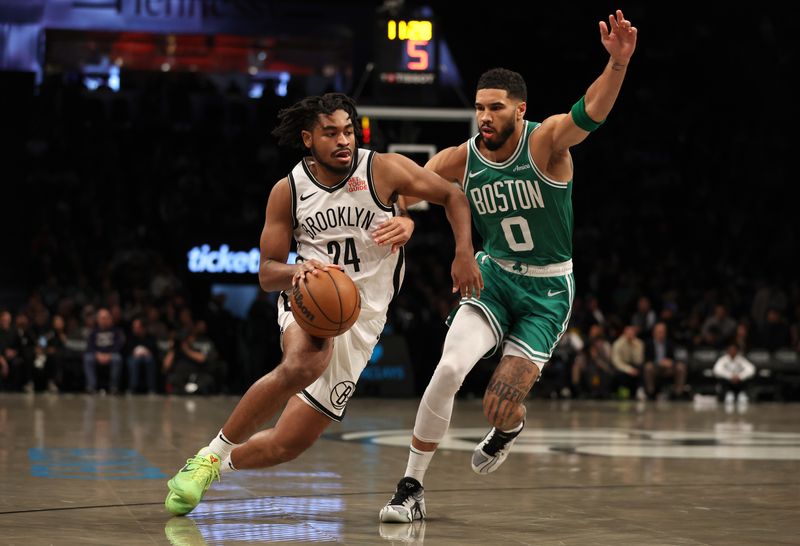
<point x="406" y="52"/>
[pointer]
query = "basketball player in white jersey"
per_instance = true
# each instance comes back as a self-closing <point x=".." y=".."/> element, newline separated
<point x="338" y="205"/>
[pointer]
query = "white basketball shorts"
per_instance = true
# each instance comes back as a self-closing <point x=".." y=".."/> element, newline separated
<point x="351" y="353"/>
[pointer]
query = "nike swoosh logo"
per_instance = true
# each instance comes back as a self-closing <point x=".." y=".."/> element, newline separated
<point x="476" y="173"/>
<point x="550" y="293"/>
<point x="304" y="197"/>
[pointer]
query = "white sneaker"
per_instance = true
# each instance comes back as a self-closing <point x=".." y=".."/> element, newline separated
<point x="742" y="398"/>
<point x="730" y="398"/>
<point x="493" y="450"/>
<point x="407" y="504"/>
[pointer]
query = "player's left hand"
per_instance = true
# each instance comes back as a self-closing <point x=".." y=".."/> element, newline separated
<point x="395" y="231"/>
<point x="466" y="274"/>
<point x="620" y="41"/>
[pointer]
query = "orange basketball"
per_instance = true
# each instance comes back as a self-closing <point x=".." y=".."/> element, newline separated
<point x="326" y="304"/>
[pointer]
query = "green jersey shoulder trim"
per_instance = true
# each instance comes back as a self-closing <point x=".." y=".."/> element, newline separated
<point x="544" y="178"/>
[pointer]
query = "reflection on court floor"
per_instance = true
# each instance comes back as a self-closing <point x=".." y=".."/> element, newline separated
<point x="262" y="520"/>
<point x="93" y="470"/>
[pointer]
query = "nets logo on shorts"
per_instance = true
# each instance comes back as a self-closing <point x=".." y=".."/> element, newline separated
<point x="356" y="184"/>
<point x="341" y="393"/>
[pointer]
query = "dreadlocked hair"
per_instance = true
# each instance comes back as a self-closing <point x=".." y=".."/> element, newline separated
<point x="303" y="115"/>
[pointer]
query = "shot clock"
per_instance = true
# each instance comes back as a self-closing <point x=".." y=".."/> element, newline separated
<point x="406" y="63"/>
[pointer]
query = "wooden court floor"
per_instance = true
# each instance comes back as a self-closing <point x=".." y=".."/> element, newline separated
<point x="92" y="470"/>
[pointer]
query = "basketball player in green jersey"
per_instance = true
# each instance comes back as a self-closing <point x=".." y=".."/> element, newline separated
<point x="517" y="176"/>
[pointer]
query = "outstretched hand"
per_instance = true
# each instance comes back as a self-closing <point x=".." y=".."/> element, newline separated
<point x="620" y="41"/>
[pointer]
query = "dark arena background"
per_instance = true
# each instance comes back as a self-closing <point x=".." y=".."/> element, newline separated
<point x="136" y="165"/>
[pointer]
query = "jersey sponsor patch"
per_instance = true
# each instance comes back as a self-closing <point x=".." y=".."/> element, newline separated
<point x="356" y="184"/>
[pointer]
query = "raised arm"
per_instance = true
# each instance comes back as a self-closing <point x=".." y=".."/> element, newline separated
<point x="409" y="179"/>
<point x="558" y="133"/>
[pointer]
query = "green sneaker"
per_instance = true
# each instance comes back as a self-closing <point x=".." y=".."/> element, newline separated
<point x="176" y="505"/>
<point x="188" y="486"/>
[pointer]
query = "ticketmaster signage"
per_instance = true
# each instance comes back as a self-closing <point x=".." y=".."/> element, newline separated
<point x="224" y="260"/>
<point x="204" y="260"/>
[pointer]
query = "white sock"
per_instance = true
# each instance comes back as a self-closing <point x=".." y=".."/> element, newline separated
<point x="219" y="446"/>
<point x="227" y="466"/>
<point x="418" y="462"/>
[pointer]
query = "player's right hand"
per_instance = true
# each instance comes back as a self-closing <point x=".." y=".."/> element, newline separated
<point x="466" y="274"/>
<point x="619" y="37"/>
<point x="311" y="266"/>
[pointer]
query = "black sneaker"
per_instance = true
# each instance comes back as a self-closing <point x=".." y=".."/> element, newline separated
<point x="493" y="450"/>
<point x="407" y="505"/>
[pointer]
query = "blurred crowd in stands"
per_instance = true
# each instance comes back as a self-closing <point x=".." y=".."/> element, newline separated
<point x="118" y="186"/>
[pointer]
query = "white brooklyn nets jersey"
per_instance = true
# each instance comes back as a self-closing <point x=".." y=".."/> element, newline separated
<point x="334" y="224"/>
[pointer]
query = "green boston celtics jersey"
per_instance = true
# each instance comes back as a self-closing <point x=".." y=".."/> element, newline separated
<point x="520" y="213"/>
